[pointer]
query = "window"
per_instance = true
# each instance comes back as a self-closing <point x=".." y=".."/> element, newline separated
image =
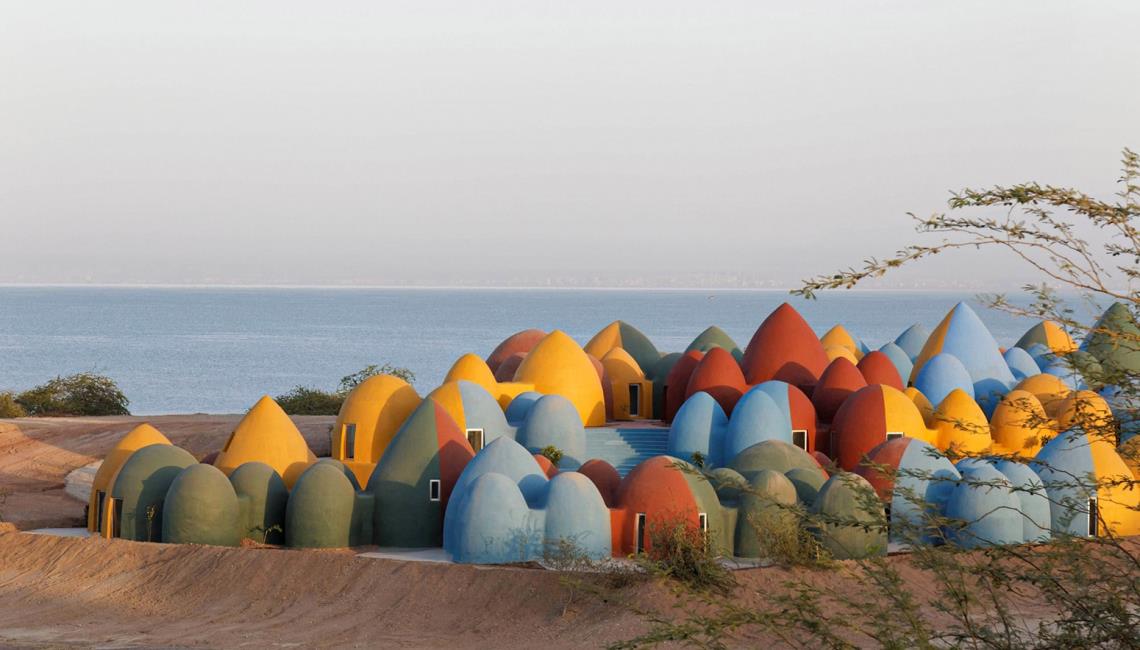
<point x="799" y="438"/>
<point x="703" y="519"/>
<point x="350" y="441"/>
<point x="639" y="532"/>
<point x="891" y="435"/>
<point x="116" y="518"/>
<point x="475" y="437"/>
<point x="634" y="400"/>
<point x="1094" y="516"/>
<point x="433" y="490"/>
<point x="100" y="508"/>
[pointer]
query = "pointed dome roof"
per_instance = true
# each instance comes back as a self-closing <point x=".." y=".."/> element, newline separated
<point x="913" y="339"/>
<point x="877" y="368"/>
<point x="1049" y="334"/>
<point x="1019" y="424"/>
<point x="962" y="334"/>
<point x="866" y="419"/>
<point x="715" y="337"/>
<point x="899" y="358"/>
<point x="784" y="347"/>
<point x="719" y="375"/>
<point x="838" y="335"/>
<point x="266" y="434"/>
<point x="1115" y="341"/>
<point x="376" y="407"/>
<point x="838" y="382"/>
<point x="558" y="366"/>
<point x="620" y="334"/>
<point x="519" y="342"/>
<point x="941" y="374"/>
<point x="470" y="367"/>
<point x="677" y="382"/>
<point x="961" y="424"/>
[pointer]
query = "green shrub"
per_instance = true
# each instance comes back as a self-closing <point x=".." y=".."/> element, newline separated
<point x="679" y="550"/>
<point x="86" y="393"/>
<point x="552" y="453"/>
<point x="9" y="407"/>
<point x="305" y="400"/>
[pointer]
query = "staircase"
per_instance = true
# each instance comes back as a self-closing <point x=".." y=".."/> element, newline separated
<point x="624" y="447"/>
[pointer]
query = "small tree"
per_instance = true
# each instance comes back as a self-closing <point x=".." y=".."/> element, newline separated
<point x="552" y="453"/>
<point x="305" y="400"/>
<point x="83" y="394"/>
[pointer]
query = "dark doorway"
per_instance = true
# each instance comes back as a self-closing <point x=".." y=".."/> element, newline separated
<point x="799" y="438"/>
<point x="639" y="532"/>
<point x="1094" y="517"/>
<point x="116" y="518"/>
<point x="100" y="509"/>
<point x="634" y="400"/>
<point x="475" y="438"/>
<point x="349" y="441"/>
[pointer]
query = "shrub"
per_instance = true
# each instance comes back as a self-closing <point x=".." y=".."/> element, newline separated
<point x="552" y="453"/>
<point x="303" y="400"/>
<point x="681" y="551"/>
<point x="9" y="407"/>
<point x="86" y="393"/>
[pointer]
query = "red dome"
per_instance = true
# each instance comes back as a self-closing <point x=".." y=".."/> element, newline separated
<point x="548" y="467"/>
<point x="803" y="415"/>
<point x="719" y="375"/>
<point x="859" y="426"/>
<point x="506" y="370"/>
<point x="677" y="382"/>
<point x="839" y="381"/>
<point x="523" y="341"/>
<point x="878" y="369"/>
<point x="784" y="347"/>
<point x="887" y="454"/>
<point x="604" y="477"/>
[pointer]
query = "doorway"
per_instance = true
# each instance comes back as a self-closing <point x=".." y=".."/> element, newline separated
<point x="634" y="400"/>
<point x="475" y="438"/>
<point x="639" y="533"/>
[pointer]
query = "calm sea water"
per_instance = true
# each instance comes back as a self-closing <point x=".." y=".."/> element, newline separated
<point x="177" y="350"/>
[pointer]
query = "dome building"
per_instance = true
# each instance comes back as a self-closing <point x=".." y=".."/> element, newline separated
<point x="266" y="434"/>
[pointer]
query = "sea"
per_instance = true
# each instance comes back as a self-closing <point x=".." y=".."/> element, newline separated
<point x="218" y="350"/>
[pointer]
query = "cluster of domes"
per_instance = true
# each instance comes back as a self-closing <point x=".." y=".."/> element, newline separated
<point x="720" y="439"/>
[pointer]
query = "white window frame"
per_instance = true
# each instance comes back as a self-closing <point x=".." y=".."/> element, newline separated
<point x="802" y="432"/>
<point x="435" y="490"/>
<point x="895" y="435"/>
<point x="482" y="437"/>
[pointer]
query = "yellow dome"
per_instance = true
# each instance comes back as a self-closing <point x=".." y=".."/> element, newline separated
<point x="1048" y="389"/>
<point x="266" y="434"/>
<point x="961" y="424"/>
<point x="621" y="366"/>
<point x="1057" y="338"/>
<point x="839" y="336"/>
<point x="1019" y="424"/>
<point x="369" y="418"/>
<point x="629" y="384"/>
<point x="141" y="436"/>
<point x="1089" y="411"/>
<point x="834" y="352"/>
<point x="558" y="366"/>
<point x="922" y="404"/>
<point x="475" y="370"/>
<point x="608" y="338"/>
<point x="903" y="416"/>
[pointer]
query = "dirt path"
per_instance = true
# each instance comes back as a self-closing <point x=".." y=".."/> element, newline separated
<point x="36" y="454"/>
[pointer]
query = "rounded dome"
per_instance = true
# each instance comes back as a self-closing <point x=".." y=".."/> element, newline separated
<point x="757" y="418"/>
<point x="141" y="485"/>
<point x="784" y="347"/>
<point x="520" y="406"/>
<point x="699" y="426"/>
<point x="1030" y="492"/>
<point x="718" y="375"/>
<point x="506" y="370"/>
<point x="941" y="375"/>
<point x="620" y="334"/>
<point x="319" y="511"/>
<point x="604" y="477"/>
<point x="877" y="368"/>
<point x="201" y="507"/>
<point x="728" y="483"/>
<point x="266" y="497"/>
<point x="715" y="337"/>
<point x="775" y="455"/>
<point x="985" y="502"/>
<point x="912" y="340"/>
<point x="1019" y="424"/>
<point x="1049" y="334"/>
<point x="677" y="382"/>
<point x="1049" y="390"/>
<point x="266" y="434"/>
<point x="868" y="418"/>
<point x="807" y="483"/>
<point x="838" y="336"/>
<point x="553" y="420"/>
<point x="1020" y="363"/>
<point x="911" y="476"/>
<point x="764" y="506"/>
<point x="853" y="523"/>
<point x="517" y="343"/>
<point x="834" y="352"/>
<point x="141" y="436"/>
<point x="961" y="425"/>
<point x="899" y="359"/>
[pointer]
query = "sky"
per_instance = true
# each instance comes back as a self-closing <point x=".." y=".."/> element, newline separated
<point x="441" y="143"/>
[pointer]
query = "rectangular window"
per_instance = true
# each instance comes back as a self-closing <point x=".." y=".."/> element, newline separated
<point x="433" y="490"/>
<point x="100" y="509"/>
<point x="116" y="518"/>
<point x="891" y="435"/>
<point x="799" y="438"/>
<point x="1094" y="517"/>
<point x="703" y="519"/>
<point x="634" y="400"/>
<point x="475" y="438"/>
<point x="639" y="532"/>
<point x="350" y="441"/>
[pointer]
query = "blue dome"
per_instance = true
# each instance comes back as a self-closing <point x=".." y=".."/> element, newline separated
<point x="520" y="406"/>
<point x="1020" y="363"/>
<point x="482" y="411"/>
<point x="912" y="340"/>
<point x="1030" y="491"/>
<point x="554" y="420"/>
<point x="490" y="524"/>
<point x="985" y="501"/>
<point x="899" y="358"/>
<point x="576" y="517"/>
<point x="699" y="426"/>
<point x="756" y="418"/>
<point x="925" y="477"/>
<point x="941" y="375"/>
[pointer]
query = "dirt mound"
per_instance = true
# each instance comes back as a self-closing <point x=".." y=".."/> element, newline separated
<point x="111" y="592"/>
<point x="37" y="454"/>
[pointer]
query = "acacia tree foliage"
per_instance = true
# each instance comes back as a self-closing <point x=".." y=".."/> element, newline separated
<point x="305" y="400"/>
<point x="951" y="589"/>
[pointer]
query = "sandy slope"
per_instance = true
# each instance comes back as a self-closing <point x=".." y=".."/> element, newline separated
<point x="36" y="454"/>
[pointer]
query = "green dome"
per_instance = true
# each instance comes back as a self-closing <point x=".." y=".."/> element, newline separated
<point x="140" y="489"/>
<point x="1115" y="342"/>
<point x="728" y="483"/>
<point x="854" y="525"/>
<point x="715" y="337"/>
<point x="776" y="455"/>
<point x="807" y="483"/>
<point x="201" y="508"/>
<point x="764" y="513"/>
<point x="319" y="513"/>
<point x="263" y="497"/>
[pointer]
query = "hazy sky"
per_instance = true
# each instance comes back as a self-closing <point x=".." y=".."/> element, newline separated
<point x="439" y="142"/>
